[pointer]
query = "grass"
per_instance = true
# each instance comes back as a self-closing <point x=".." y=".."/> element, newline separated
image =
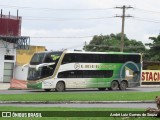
<point x="62" y="96"/>
<point x="12" y="108"/>
<point x="3" y="108"/>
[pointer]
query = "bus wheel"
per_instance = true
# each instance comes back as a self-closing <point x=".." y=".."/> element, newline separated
<point x="101" y="89"/>
<point x="60" y="87"/>
<point x="114" y="85"/>
<point x="47" y="90"/>
<point x="123" y="85"/>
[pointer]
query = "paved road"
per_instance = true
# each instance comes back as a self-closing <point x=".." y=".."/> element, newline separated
<point x="139" y="89"/>
<point x="108" y="105"/>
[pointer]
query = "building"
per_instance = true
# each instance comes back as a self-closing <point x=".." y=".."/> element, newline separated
<point x="10" y="41"/>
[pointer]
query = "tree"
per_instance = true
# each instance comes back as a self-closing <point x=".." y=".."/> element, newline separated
<point x="154" y="48"/>
<point x="105" y="43"/>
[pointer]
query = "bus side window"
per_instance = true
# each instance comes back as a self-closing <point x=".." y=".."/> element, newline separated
<point x="67" y="59"/>
<point x="72" y="74"/>
<point x="102" y="58"/>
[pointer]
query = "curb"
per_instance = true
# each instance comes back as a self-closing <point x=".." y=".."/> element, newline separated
<point x="150" y="86"/>
<point x="73" y="102"/>
<point x="19" y="89"/>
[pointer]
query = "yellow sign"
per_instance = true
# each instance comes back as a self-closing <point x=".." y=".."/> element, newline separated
<point x="151" y="76"/>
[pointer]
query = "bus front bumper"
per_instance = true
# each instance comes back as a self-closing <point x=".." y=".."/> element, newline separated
<point x="34" y="85"/>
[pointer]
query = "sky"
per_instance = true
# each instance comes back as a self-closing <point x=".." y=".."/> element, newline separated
<point x="67" y="24"/>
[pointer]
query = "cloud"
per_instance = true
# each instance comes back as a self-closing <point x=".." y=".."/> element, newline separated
<point x="134" y="28"/>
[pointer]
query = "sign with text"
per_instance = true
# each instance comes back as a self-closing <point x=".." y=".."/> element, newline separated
<point x="151" y="76"/>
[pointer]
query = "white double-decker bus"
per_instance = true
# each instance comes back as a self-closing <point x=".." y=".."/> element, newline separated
<point x="61" y="70"/>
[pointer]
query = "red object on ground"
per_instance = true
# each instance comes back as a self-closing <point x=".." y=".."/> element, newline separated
<point x="18" y="84"/>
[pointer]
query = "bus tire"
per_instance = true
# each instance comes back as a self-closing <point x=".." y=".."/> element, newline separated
<point x="114" y="85"/>
<point x="60" y="87"/>
<point x="101" y="89"/>
<point x="47" y="90"/>
<point x="123" y="85"/>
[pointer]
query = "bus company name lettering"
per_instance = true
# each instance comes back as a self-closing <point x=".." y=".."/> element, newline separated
<point x="98" y="66"/>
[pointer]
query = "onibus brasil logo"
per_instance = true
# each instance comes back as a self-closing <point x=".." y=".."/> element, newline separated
<point x="21" y="114"/>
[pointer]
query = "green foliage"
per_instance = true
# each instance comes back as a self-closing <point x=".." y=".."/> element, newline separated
<point x="106" y="43"/>
<point x="112" y="42"/>
<point x="154" y="48"/>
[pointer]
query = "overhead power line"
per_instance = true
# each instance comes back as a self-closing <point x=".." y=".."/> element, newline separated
<point x="41" y="37"/>
<point x="64" y="9"/>
<point x="126" y="47"/>
<point x="147" y="11"/>
<point x="76" y="19"/>
<point x="75" y="46"/>
<point x="67" y="19"/>
<point x="71" y="19"/>
<point x="147" y="20"/>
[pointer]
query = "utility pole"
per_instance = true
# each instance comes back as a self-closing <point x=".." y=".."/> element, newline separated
<point x="123" y="19"/>
<point x="85" y="44"/>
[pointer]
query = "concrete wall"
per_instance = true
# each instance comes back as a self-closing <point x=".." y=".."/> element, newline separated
<point x="20" y="73"/>
<point x="3" y="51"/>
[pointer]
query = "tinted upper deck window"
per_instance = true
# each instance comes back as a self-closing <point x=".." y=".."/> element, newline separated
<point x="100" y="58"/>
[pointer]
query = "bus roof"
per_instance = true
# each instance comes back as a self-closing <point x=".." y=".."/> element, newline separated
<point x="84" y="52"/>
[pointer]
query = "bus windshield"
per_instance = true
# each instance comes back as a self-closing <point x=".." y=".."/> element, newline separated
<point x="45" y="62"/>
<point x="37" y="58"/>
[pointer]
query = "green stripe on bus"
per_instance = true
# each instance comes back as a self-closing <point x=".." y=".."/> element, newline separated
<point x="35" y="85"/>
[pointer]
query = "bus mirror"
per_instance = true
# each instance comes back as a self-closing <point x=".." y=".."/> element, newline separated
<point x="43" y="64"/>
<point x="24" y="66"/>
<point x="40" y="65"/>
